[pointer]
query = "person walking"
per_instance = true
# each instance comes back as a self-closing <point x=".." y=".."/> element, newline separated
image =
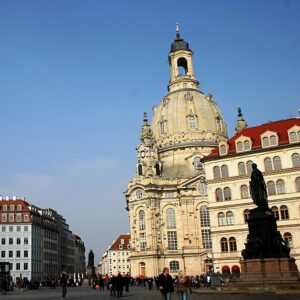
<point x="63" y="284"/>
<point x="119" y="285"/>
<point x="183" y="284"/>
<point x="165" y="283"/>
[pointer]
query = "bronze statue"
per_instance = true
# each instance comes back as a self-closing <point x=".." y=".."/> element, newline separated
<point x="258" y="188"/>
<point x="91" y="259"/>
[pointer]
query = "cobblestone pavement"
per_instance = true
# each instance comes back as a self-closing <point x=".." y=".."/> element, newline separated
<point x="139" y="293"/>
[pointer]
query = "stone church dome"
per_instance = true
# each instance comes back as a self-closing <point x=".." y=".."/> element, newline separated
<point x="187" y="117"/>
<point x="187" y="123"/>
<point x="186" y="126"/>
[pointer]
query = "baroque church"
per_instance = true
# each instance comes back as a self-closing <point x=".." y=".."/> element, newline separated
<point x="182" y="214"/>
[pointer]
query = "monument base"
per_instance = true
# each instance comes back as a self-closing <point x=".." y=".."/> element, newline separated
<point x="269" y="270"/>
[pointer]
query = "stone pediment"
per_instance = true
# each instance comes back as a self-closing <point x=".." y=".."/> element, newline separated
<point x="191" y="183"/>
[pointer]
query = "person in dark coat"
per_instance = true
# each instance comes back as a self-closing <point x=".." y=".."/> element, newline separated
<point x="165" y="284"/>
<point x="119" y="285"/>
<point x="63" y="284"/>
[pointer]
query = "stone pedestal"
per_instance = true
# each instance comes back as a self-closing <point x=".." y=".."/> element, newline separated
<point x="272" y="270"/>
<point x="90" y="272"/>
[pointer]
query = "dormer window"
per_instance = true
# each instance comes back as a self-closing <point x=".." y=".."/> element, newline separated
<point x="269" y="139"/>
<point x="243" y="144"/>
<point x="197" y="163"/>
<point x="294" y="134"/>
<point x="239" y="146"/>
<point x="120" y="247"/>
<point x="223" y="148"/>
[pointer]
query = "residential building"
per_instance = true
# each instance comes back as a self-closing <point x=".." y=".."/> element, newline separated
<point x="275" y="148"/>
<point x="116" y="259"/>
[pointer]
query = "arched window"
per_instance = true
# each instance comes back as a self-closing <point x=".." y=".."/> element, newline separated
<point x="241" y="168"/>
<point x="192" y="122"/>
<point x="182" y="66"/>
<point x="157" y="169"/>
<point x="221" y="219"/>
<point x="268" y="164"/>
<point x="197" y="163"/>
<point x="140" y="169"/>
<point x="202" y="187"/>
<point x="142" y="267"/>
<point x="227" y="194"/>
<point x="138" y="194"/>
<point x="288" y="239"/>
<point x="273" y="140"/>
<point x="275" y="211"/>
<point x="219" y="195"/>
<point x="142" y="225"/>
<point x="217" y="173"/>
<point x="277" y="163"/>
<point x="224" y="171"/>
<point x="224" y="245"/>
<point x="249" y="166"/>
<point x="174" y="266"/>
<point x="171" y="218"/>
<point x="298" y="184"/>
<point x="246" y="215"/>
<point x="266" y="141"/>
<point x="239" y="146"/>
<point x="280" y="186"/>
<point x="244" y="191"/>
<point x="296" y="160"/>
<point x="271" y="188"/>
<point x="232" y="244"/>
<point x="204" y="216"/>
<point x="284" y="212"/>
<point x="293" y="137"/>
<point x="246" y="145"/>
<point x="229" y="218"/>
<point x="162" y="127"/>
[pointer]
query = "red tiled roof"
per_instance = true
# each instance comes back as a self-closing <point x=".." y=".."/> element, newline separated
<point x="281" y="127"/>
<point x="117" y="242"/>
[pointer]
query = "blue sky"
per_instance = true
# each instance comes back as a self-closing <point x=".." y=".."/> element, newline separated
<point x="76" y="77"/>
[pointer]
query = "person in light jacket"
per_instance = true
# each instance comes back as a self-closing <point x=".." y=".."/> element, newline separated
<point x="183" y="284"/>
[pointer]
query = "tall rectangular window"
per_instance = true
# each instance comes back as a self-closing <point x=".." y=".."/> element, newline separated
<point x="143" y="241"/>
<point x="172" y="240"/>
<point x="206" y="239"/>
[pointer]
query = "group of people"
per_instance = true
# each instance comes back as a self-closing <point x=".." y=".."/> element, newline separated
<point x="166" y="285"/>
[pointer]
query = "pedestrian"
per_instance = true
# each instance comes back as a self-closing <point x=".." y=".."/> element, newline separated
<point x="183" y="284"/>
<point x="208" y="280"/>
<point x="4" y="285"/>
<point x="165" y="283"/>
<point x="63" y="284"/>
<point x="119" y="285"/>
<point x="112" y="286"/>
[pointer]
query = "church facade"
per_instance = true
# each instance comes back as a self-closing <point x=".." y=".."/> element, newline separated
<point x="173" y="212"/>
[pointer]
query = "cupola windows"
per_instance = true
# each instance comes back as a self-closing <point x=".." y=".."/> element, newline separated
<point x="163" y="127"/>
<point x="192" y="122"/>
<point x="182" y="67"/>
